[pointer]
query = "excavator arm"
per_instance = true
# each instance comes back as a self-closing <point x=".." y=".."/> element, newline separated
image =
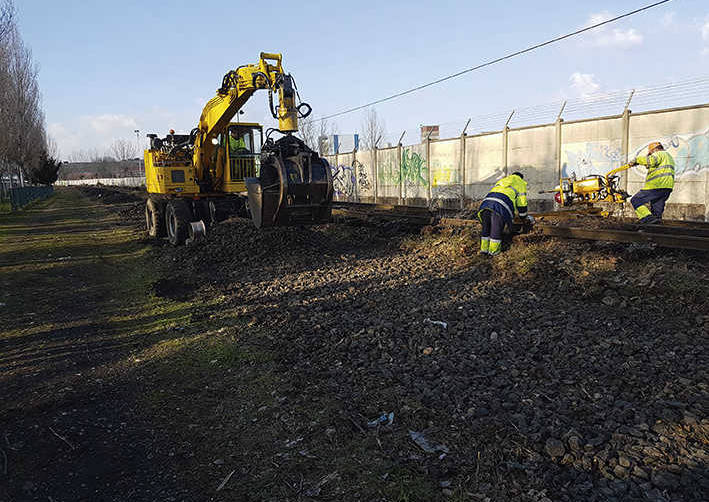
<point x="237" y="88"/>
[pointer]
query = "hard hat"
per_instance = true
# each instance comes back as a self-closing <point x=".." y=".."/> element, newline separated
<point x="655" y="145"/>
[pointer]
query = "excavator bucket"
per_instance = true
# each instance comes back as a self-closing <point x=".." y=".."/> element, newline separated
<point x="293" y="188"/>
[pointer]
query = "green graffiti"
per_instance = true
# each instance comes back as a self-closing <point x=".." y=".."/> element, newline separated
<point x="413" y="170"/>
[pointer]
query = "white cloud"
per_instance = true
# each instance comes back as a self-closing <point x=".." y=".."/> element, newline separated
<point x="108" y="123"/>
<point x="584" y="84"/>
<point x="607" y="36"/>
<point x="705" y="31"/>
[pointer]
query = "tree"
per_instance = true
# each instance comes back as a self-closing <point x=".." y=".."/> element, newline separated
<point x="22" y="121"/>
<point x="372" y="130"/>
<point x="325" y="131"/>
<point x="123" y="149"/>
<point x="46" y="171"/>
<point x="306" y="130"/>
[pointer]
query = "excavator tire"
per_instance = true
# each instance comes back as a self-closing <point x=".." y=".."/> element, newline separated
<point x="154" y="219"/>
<point x="177" y="221"/>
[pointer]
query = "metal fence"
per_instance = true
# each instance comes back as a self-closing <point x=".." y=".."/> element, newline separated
<point x="21" y="196"/>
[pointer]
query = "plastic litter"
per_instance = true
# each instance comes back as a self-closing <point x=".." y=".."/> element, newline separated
<point x="425" y="444"/>
<point x="385" y="419"/>
<point x="442" y="324"/>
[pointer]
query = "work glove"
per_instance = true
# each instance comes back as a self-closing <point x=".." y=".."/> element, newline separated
<point x="530" y="219"/>
<point x="632" y="162"/>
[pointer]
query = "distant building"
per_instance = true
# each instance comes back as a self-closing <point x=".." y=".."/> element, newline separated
<point x="429" y="131"/>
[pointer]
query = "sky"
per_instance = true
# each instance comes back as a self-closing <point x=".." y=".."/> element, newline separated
<point x="107" y="68"/>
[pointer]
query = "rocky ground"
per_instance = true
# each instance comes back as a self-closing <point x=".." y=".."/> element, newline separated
<point x="379" y="361"/>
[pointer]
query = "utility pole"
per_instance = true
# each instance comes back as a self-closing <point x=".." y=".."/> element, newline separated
<point x="137" y="142"/>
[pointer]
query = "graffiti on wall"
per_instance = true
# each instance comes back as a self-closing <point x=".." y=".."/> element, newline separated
<point x="690" y="151"/>
<point x="349" y="181"/>
<point x="590" y="157"/>
<point x="445" y="181"/>
<point x="413" y="172"/>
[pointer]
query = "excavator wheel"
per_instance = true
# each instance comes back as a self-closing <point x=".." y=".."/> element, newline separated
<point x="177" y="221"/>
<point x="154" y="220"/>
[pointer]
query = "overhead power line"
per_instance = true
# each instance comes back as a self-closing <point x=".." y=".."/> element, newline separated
<point x="494" y="61"/>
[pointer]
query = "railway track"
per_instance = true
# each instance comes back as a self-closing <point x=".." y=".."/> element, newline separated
<point x="674" y="234"/>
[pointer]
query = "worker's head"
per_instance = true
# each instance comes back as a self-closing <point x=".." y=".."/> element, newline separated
<point x="654" y="147"/>
<point x="517" y="173"/>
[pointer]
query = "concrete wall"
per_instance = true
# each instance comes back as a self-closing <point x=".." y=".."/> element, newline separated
<point x="591" y="147"/>
<point x="446" y="170"/>
<point x="457" y="171"/>
<point x="388" y="175"/>
<point x="533" y="152"/>
<point x="483" y="164"/>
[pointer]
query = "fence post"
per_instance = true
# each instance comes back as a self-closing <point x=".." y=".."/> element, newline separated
<point x="505" y="133"/>
<point x="558" y="126"/>
<point x="462" y="163"/>
<point x="401" y="177"/>
<point x="462" y="169"/>
<point x="625" y="144"/>
<point x="376" y="172"/>
<point x="428" y="170"/>
<point x="355" y="189"/>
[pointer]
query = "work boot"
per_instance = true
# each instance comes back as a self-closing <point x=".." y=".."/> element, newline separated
<point x="650" y="219"/>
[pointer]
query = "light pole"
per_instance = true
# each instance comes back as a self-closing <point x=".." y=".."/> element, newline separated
<point x="137" y="141"/>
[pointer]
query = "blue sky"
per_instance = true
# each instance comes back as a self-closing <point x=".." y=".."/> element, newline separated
<point x="109" y="67"/>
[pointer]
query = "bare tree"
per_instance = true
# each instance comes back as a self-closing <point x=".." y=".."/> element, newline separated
<point x="306" y="130"/>
<point x="325" y="131"/>
<point x="372" y="129"/>
<point x="79" y="156"/>
<point x="122" y="149"/>
<point x="23" y="144"/>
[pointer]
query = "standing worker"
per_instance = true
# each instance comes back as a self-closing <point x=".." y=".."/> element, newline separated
<point x="498" y="209"/>
<point x="659" y="182"/>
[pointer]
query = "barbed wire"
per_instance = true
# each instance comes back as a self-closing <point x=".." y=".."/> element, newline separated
<point x="692" y="91"/>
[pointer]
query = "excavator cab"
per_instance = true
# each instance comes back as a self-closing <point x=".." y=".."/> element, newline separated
<point x="242" y="144"/>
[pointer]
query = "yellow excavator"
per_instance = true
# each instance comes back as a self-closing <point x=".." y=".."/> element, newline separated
<point x="222" y="168"/>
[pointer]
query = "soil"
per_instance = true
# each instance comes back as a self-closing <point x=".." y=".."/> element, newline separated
<point x="372" y="361"/>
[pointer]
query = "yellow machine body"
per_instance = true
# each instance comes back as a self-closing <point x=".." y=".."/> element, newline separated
<point x="212" y="168"/>
<point x="223" y="168"/>
<point x="166" y="175"/>
<point x="591" y="189"/>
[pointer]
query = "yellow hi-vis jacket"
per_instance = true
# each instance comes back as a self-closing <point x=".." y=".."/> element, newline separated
<point x="660" y="170"/>
<point x="507" y="196"/>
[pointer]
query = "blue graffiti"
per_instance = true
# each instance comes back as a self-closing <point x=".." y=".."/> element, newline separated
<point x="691" y="152"/>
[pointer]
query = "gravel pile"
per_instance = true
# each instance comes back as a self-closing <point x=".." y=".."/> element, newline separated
<point x="562" y="370"/>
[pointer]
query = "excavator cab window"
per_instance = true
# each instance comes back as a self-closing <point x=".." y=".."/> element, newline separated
<point x="244" y="144"/>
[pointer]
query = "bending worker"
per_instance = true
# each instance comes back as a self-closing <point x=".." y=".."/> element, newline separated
<point x="498" y="209"/>
<point x="658" y="186"/>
